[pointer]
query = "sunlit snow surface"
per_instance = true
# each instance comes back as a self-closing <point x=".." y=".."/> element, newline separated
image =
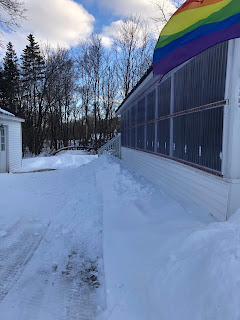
<point x="101" y="242"/>
<point x="62" y="160"/>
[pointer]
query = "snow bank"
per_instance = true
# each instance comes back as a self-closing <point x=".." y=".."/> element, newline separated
<point x="74" y="152"/>
<point x="161" y="260"/>
<point x="60" y="161"/>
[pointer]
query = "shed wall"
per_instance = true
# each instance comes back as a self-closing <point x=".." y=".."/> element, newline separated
<point x="14" y="144"/>
<point x="208" y="191"/>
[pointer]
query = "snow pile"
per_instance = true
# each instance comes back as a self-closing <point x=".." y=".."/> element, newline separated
<point x="60" y="161"/>
<point x="161" y="260"/>
<point x="74" y="152"/>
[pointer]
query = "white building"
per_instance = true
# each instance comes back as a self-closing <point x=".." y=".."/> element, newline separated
<point x="185" y="130"/>
<point x="10" y="141"/>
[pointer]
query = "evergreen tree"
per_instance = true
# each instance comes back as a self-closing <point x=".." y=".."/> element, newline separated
<point x="2" y="91"/>
<point x="32" y="62"/>
<point x="32" y="76"/>
<point x="10" y="79"/>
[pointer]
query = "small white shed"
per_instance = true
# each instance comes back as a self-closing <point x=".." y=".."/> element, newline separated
<point x="10" y="141"/>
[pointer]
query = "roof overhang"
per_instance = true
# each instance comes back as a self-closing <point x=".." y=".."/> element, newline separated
<point x="6" y="117"/>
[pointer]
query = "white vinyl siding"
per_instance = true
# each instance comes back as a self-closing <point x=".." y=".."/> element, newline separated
<point x="15" y="146"/>
<point x="205" y="189"/>
<point x="14" y="143"/>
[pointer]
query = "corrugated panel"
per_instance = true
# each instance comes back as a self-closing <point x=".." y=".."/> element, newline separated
<point x="123" y="127"/>
<point x="140" y="137"/>
<point x="211" y="138"/>
<point x="141" y="111"/>
<point x="197" y="138"/>
<point x="133" y="137"/>
<point x="128" y="137"/>
<point x="163" y="136"/>
<point x="205" y="76"/>
<point x="150" y="137"/>
<point x="133" y="115"/>
<point x="151" y="105"/>
<point x="164" y="98"/>
<point x="204" y="189"/>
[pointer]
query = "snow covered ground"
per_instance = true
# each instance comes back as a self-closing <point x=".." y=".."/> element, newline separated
<point x="101" y="242"/>
<point x="63" y="160"/>
<point x="51" y="263"/>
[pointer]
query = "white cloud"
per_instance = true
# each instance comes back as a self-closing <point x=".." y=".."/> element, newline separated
<point x="106" y="41"/>
<point x="57" y="22"/>
<point x="146" y="9"/>
<point x="109" y="32"/>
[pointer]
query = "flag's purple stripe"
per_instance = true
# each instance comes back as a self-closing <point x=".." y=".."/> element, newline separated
<point x="193" y="48"/>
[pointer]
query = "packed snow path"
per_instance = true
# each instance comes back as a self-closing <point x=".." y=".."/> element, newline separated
<point x="163" y="258"/>
<point x="51" y="246"/>
<point x="18" y="243"/>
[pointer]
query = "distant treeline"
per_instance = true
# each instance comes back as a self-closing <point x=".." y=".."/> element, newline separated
<point x="66" y="95"/>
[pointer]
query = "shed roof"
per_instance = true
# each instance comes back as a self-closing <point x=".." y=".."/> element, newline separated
<point x="9" y="113"/>
<point x="6" y="112"/>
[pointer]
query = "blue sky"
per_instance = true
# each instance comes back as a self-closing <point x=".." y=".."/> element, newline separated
<point x="103" y="15"/>
<point x="65" y="22"/>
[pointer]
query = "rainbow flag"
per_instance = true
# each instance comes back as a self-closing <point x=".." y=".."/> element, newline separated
<point x="196" y="26"/>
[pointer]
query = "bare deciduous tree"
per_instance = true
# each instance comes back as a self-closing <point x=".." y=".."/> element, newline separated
<point x="133" y="50"/>
<point x="91" y="68"/>
<point x="109" y="91"/>
<point x="59" y="86"/>
<point x="11" y="13"/>
<point x="165" y="10"/>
